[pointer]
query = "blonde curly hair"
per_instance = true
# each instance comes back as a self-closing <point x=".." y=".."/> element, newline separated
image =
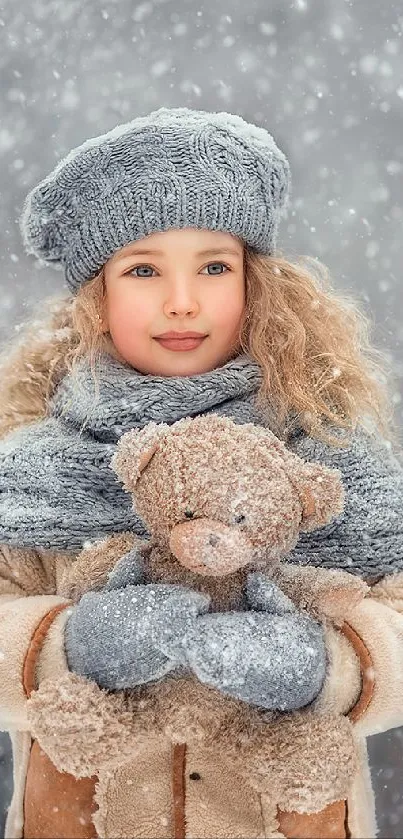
<point x="311" y="341"/>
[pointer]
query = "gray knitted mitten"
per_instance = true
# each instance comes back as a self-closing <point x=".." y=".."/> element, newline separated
<point x="126" y="637"/>
<point x="275" y="658"/>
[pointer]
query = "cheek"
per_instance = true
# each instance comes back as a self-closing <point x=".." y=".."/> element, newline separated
<point x="228" y="305"/>
<point x="125" y="312"/>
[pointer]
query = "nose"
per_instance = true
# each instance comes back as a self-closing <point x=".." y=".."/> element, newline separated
<point x="181" y="299"/>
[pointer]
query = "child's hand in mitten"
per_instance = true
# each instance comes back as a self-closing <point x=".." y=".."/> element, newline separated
<point x="273" y="658"/>
<point x="126" y="637"/>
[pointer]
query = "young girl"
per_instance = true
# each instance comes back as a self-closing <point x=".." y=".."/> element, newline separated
<point x="167" y="226"/>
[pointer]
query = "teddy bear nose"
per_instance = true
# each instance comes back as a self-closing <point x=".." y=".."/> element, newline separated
<point x="208" y="546"/>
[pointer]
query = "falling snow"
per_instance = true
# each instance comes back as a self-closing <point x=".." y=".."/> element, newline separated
<point x="325" y="79"/>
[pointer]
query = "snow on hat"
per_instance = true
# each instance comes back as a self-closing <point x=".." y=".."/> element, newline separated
<point x="173" y="168"/>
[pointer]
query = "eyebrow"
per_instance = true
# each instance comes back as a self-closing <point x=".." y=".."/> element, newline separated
<point x="206" y="252"/>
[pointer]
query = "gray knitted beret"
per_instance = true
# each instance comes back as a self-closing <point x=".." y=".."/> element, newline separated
<point x="175" y="167"/>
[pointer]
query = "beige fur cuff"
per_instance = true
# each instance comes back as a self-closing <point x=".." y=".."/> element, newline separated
<point x="19" y="619"/>
<point x="52" y="661"/>
<point x="342" y="685"/>
<point x="381" y="629"/>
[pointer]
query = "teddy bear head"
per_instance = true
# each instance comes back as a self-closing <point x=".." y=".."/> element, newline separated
<point x="221" y="495"/>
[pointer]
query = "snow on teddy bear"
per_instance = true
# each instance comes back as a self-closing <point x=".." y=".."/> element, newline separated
<point x="224" y="504"/>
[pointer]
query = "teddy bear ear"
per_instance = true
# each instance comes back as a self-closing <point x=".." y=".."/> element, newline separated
<point x="319" y="487"/>
<point x="135" y="450"/>
<point x="321" y="493"/>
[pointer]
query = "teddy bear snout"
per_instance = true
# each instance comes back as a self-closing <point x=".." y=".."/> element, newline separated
<point x="209" y="547"/>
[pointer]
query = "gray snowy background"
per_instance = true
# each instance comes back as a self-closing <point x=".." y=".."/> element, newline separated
<point x="325" y="77"/>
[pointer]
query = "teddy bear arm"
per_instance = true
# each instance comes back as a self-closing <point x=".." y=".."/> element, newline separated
<point x="91" y="568"/>
<point x="322" y="592"/>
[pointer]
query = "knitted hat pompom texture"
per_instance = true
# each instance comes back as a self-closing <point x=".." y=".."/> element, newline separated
<point x="174" y="168"/>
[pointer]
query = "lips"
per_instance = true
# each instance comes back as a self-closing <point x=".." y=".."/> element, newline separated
<point x="181" y="344"/>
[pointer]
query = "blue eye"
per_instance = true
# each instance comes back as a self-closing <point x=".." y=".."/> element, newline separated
<point x="140" y="266"/>
<point x="217" y="263"/>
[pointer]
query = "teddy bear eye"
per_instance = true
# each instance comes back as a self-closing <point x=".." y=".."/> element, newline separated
<point x="239" y="519"/>
<point x="189" y="514"/>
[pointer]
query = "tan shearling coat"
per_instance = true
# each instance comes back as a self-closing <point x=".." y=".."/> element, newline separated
<point x="165" y="790"/>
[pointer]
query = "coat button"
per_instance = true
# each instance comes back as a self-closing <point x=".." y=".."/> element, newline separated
<point x="194" y="776"/>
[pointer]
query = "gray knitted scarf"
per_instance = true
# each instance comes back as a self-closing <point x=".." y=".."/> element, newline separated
<point x="57" y="489"/>
<point x="56" y="486"/>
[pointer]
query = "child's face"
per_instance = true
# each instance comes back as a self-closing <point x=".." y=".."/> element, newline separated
<point x="176" y="290"/>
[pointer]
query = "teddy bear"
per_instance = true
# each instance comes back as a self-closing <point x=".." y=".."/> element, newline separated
<point x="222" y="501"/>
<point x="260" y="498"/>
